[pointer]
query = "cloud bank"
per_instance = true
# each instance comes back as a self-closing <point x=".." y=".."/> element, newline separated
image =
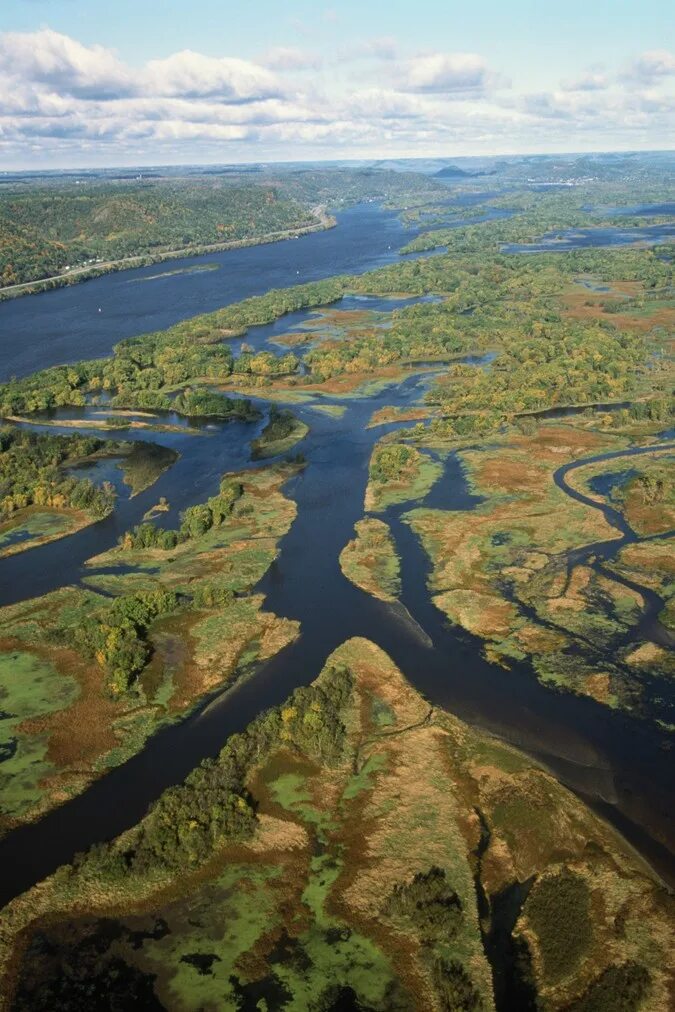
<point x="63" y="102"/>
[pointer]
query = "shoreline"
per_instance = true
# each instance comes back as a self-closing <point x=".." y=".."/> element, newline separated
<point x="324" y="222"/>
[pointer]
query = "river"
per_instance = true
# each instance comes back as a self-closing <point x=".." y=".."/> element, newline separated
<point x="85" y="320"/>
<point x="614" y="760"/>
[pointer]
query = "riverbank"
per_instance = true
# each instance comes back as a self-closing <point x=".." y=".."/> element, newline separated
<point x="87" y="273"/>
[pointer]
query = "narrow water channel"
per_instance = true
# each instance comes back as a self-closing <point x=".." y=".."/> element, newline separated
<point x="612" y="758"/>
<point x="619" y="763"/>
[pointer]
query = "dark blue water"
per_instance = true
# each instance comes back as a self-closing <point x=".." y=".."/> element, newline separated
<point x="636" y="210"/>
<point x="607" y="484"/>
<point x="65" y="325"/>
<point x="612" y="756"/>
<point x="587" y="238"/>
<point x="203" y="459"/>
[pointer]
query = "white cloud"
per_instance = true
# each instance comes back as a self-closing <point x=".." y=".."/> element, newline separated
<point x="590" y="81"/>
<point x="446" y="73"/>
<point x="82" y="104"/>
<point x="384" y="47"/>
<point x="179" y="130"/>
<point x="193" y="75"/>
<point x="290" y="58"/>
<point x="653" y="63"/>
<point x="62" y="63"/>
<point x="381" y="103"/>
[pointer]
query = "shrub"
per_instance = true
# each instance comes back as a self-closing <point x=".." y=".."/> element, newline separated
<point x="186" y="824"/>
<point x="430" y="904"/>
<point x="558" y="911"/>
<point x="390" y="462"/>
<point x="618" y="989"/>
<point x="455" y="988"/>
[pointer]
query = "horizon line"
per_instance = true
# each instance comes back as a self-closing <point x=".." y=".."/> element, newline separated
<point x="337" y="161"/>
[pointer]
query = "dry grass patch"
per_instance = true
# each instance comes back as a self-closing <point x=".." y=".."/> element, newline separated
<point x="481" y="614"/>
<point x="370" y="560"/>
<point x="383" y="416"/>
<point x="647" y="653"/>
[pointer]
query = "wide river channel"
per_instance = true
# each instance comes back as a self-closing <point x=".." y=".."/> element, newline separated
<point x="618" y="763"/>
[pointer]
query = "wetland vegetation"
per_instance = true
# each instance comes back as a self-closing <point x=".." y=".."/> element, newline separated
<point x="167" y="617"/>
<point x="331" y="849"/>
<point x="485" y="430"/>
<point x="370" y="560"/>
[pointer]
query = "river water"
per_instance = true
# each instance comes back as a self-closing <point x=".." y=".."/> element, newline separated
<point x="614" y="760"/>
<point x="590" y="238"/>
<point x="87" y="319"/>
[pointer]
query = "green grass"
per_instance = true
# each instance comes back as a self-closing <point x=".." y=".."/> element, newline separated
<point x="381" y="713"/>
<point x="339" y="955"/>
<point x="412" y="484"/>
<point x="29" y="687"/>
<point x="363" y="780"/>
<point x="45" y="524"/>
<point x="223" y="918"/>
<point x="290" y="789"/>
<point x="333" y="410"/>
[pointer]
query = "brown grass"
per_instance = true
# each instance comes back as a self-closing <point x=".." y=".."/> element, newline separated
<point x="648" y="653"/>
<point x="82" y="732"/>
<point x="481" y="614"/>
<point x="392" y="414"/>
<point x="343" y="384"/>
<point x="583" y="304"/>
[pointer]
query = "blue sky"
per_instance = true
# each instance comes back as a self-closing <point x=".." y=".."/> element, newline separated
<point x="135" y="82"/>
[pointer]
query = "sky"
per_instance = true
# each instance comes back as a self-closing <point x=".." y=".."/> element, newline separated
<point x="154" y="82"/>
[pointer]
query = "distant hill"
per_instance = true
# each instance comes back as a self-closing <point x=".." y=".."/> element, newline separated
<point x="454" y="172"/>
